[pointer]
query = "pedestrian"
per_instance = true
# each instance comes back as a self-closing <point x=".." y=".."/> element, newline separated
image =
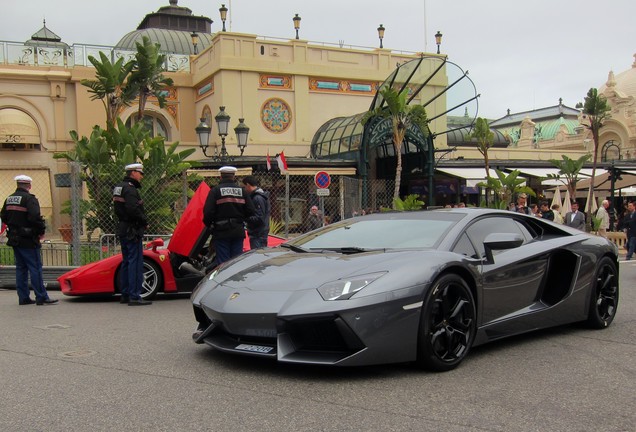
<point x="546" y="212"/>
<point x="521" y="206"/>
<point x="629" y="226"/>
<point x="129" y="209"/>
<point x="575" y="218"/>
<point x="227" y="208"/>
<point x="603" y="215"/>
<point x="25" y="228"/>
<point x="534" y="210"/>
<point x="315" y="219"/>
<point x="257" y="228"/>
<point x="556" y="209"/>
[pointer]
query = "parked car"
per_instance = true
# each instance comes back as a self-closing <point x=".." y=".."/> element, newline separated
<point x="407" y="286"/>
<point x="176" y="268"/>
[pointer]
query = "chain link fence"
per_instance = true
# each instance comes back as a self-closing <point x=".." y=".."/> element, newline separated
<point x="90" y="233"/>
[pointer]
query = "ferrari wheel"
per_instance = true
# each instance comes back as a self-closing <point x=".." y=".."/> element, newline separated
<point x="448" y="324"/>
<point x="605" y="295"/>
<point x="153" y="280"/>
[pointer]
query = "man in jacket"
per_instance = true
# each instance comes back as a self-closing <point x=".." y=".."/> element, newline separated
<point x="227" y="208"/>
<point x="575" y="218"/>
<point x="25" y="227"/>
<point x="603" y="215"/>
<point x="129" y="209"/>
<point x="257" y="228"/>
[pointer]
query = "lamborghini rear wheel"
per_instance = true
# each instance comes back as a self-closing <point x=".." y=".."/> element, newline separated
<point x="447" y="325"/>
<point x="605" y="295"/>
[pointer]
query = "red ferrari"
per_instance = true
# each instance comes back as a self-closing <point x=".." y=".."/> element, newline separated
<point x="177" y="268"/>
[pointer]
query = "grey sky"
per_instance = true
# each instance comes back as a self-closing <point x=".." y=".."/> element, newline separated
<point x="521" y="55"/>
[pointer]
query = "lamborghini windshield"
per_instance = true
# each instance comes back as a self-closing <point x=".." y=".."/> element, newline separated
<point x="391" y="231"/>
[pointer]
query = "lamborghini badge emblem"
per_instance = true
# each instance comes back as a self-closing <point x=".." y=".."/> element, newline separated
<point x="234" y="296"/>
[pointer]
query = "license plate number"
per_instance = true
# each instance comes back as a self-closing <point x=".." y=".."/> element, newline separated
<point x="254" y="348"/>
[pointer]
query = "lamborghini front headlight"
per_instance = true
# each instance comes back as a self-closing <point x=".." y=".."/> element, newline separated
<point x="343" y="289"/>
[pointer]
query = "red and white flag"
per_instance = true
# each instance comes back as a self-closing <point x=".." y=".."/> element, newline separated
<point x="269" y="162"/>
<point x="282" y="163"/>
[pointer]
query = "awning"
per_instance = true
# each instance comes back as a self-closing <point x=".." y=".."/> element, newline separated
<point x="471" y="175"/>
<point x="602" y="181"/>
<point x="544" y="172"/>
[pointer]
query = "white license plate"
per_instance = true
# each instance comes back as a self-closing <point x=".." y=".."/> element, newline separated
<point x="254" y="348"/>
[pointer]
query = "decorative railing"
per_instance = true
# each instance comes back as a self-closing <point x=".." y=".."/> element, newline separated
<point x="15" y="53"/>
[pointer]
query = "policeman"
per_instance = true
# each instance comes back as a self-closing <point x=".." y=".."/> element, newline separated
<point x="25" y="227"/>
<point x="227" y="208"/>
<point x="129" y="209"/>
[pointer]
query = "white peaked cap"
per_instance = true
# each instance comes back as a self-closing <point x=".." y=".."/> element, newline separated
<point x="23" y="179"/>
<point x="135" y="167"/>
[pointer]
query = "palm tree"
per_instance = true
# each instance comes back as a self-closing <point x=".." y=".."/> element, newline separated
<point x="596" y="111"/>
<point x="147" y="76"/>
<point x="485" y="138"/>
<point x="402" y="117"/>
<point x="111" y="85"/>
<point x="569" y="170"/>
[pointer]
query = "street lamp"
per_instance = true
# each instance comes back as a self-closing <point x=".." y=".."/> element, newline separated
<point x="222" y="120"/>
<point x="381" y="34"/>
<point x="241" y="131"/>
<point x="222" y="123"/>
<point x="438" y="39"/>
<point x="203" y="132"/>
<point x="296" y="24"/>
<point x="223" y="12"/>
<point x="195" y="41"/>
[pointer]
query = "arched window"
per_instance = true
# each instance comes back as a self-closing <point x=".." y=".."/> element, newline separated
<point x="18" y="131"/>
<point x="152" y="124"/>
<point x="611" y="151"/>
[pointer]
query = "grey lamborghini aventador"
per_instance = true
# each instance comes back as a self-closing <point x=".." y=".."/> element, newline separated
<point x="407" y="286"/>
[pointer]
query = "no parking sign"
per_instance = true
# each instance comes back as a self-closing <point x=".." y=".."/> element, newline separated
<point x="322" y="179"/>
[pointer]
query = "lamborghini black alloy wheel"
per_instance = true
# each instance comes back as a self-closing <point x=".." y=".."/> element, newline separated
<point x="448" y="324"/>
<point x="605" y="295"/>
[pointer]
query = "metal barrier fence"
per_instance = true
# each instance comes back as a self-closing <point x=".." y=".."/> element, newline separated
<point x="93" y="226"/>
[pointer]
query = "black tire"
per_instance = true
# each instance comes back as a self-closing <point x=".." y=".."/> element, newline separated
<point x="604" y="301"/>
<point x="153" y="280"/>
<point x="448" y="324"/>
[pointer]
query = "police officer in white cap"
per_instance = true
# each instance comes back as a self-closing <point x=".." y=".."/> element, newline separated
<point x="129" y="209"/>
<point x="25" y="226"/>
<point x="227" y="208"/>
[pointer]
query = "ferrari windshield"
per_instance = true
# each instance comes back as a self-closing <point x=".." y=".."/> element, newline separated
<point x="383" y="232"/>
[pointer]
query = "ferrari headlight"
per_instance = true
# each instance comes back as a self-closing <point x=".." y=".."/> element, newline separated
<point x="343" y="289"/>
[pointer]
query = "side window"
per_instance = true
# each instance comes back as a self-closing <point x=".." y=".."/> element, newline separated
<point x="478" y="231"/>
<point x="465" y="247"/>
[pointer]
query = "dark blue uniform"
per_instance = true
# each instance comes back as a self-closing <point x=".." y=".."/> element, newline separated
<point x="129" y="209"/>
<point x="226" y="210"/>
<point x="25" y="225"/>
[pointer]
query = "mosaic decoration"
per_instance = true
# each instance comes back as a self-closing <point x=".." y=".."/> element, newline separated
<point x="341" y="86"/>
<point x="276" y="115"/>
<point x="205" y="89"/>
<point x="275" y="81"/>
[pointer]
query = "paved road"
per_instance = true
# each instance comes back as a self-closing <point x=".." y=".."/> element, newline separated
<point x="79" y="366"/>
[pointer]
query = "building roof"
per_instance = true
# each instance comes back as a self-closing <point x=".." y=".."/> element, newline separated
<point x="547" y="113"/>
<point x="172" y="27"/>
<point x="46" y="38"/>
<point x="624" y="84"/>
<point x="172" y="41"/>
